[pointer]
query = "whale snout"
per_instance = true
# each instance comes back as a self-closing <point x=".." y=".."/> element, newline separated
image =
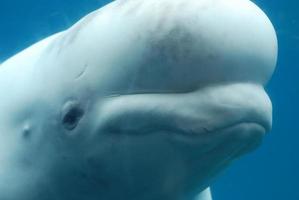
<point x="242" y="109"/>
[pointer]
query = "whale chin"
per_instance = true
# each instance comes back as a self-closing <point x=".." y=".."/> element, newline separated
<point x="244" y="137"/>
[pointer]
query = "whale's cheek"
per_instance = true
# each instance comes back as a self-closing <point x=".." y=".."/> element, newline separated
<point x="19" y="169"/>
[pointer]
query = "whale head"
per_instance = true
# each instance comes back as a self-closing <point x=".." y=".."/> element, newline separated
<point x="138" y="100"/>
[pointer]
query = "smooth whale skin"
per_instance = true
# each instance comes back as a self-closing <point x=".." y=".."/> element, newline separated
<point x="140" y="100"/>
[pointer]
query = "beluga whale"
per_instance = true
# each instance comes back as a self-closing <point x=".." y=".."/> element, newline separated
<point x="139" y="100"/>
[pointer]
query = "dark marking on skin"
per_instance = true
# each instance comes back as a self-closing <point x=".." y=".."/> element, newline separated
<point x="173" y="50"/>
<point x="82" y="72"/>
<point x="175" y="47"/>
<point x="114" y="95"/>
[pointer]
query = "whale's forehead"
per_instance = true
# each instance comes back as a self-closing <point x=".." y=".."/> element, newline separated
<point x="185" y="45"/>
<point x="206" y="42"/>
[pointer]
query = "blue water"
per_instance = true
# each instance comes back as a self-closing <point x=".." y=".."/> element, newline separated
<point x="271" y="172"/>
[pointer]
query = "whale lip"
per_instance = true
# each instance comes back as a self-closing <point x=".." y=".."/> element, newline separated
<point x="247" y="134"/>
<point x="263" y="127"/>
<point x="262" y="123"/>
<point x="249" y="129"/>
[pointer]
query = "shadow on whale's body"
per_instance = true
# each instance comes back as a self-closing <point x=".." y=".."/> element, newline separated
<point x="139" y="100"/>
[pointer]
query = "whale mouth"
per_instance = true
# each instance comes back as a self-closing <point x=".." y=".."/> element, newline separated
<point x="239" y="139"/>
<point x="239" y="114"/>
<point x="261" y="127"/>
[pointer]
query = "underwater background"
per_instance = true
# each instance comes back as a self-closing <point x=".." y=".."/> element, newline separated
<point x="269" y="173"/>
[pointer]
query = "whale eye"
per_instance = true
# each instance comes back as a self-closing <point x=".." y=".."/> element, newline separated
<point x="71" y="115"/>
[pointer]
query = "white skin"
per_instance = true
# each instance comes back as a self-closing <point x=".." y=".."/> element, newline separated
<point x="139" y="100"/>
